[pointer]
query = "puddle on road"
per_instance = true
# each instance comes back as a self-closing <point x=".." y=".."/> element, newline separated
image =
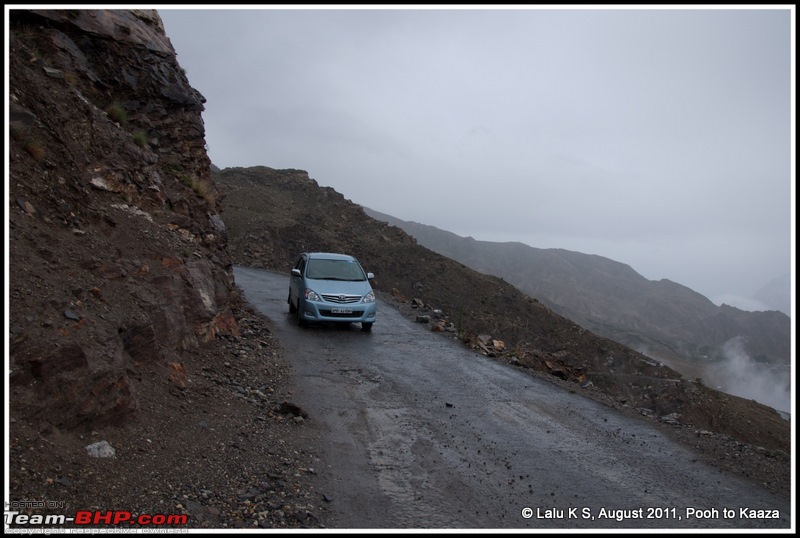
<point x="403" y="479"/>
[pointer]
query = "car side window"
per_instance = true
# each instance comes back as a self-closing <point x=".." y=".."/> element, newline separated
<point x="300" y="265"/>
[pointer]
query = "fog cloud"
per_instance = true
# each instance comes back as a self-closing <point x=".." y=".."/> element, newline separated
<point x="659" y="138"/>
<point x="740" y="375"/>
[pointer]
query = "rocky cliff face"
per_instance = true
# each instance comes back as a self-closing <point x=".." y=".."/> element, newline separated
<point x="118" y="262"/>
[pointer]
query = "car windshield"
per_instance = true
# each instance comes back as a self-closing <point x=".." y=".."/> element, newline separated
<point x="321" y="269"/>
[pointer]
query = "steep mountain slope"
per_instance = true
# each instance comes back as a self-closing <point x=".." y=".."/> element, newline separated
<point x="660" y="318"/>
<point x="272" y="215"/>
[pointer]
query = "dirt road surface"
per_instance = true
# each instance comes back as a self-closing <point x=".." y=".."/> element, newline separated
<point x="413" y="430"/>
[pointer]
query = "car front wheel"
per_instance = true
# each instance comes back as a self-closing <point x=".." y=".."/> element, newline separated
<point x="366" y="326"/>
<point x="299" y="315"/>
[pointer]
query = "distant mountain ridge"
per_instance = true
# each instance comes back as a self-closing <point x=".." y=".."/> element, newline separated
<point x="662" y="319"/>
<point x="777" y="293"/>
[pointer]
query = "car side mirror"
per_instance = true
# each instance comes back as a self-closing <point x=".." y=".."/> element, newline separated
<point x="296" y="272"/>
<point x="370" y="276"/>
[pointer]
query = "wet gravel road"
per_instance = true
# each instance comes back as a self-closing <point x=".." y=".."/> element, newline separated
<point x="415" y="431"/>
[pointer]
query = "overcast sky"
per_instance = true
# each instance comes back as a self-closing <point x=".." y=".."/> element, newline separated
<point x="659" y="138"/>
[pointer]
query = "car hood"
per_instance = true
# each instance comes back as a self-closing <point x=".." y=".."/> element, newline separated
<point x="360" y="287"/>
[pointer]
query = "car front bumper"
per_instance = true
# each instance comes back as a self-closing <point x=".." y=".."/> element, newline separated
<point x="322" y="311"/>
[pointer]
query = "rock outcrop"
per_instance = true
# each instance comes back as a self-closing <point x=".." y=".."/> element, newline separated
<point x="118" y="256"/>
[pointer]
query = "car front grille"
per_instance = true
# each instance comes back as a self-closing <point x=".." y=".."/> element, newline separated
<point x="341" y="298"/>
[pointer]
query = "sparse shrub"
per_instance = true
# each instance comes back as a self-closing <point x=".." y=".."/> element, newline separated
<point x="22" y="135"/>
<point x="118" y="114"/>
<point x="202" y="187"/>
<point x="34" y="149"/>
<point x="17" y="132"/>
<point x="779" y="454"/>
<point x="140" y="139"/>
<point x="209" y="194"/>
<point x="24" y="31"/>
<point x="19" y="31"/>
<point x="172" y="167"/>
<point x="71" y="78"/>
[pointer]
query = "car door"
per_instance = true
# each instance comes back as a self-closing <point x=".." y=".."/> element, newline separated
<point x="296" y="282"/>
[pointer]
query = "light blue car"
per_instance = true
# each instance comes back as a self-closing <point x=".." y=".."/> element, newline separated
<point x="331" y="287"/>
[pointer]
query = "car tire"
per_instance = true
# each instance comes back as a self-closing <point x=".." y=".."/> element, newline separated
<point x="292" y="308"/>
<point x="366" y="326"/>
<point x="299" y="316"/>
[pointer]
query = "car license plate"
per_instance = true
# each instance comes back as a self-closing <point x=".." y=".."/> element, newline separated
<point x="341" y="310"/>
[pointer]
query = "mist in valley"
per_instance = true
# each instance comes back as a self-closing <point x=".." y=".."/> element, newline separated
<point x="739" y="374"/>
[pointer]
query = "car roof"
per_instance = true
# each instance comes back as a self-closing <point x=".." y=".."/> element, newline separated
<point x="328" y="256"/>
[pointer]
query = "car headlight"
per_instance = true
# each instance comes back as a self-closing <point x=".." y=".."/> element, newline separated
<point x="311" y="295"/>
<point x="369" y="298"/>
